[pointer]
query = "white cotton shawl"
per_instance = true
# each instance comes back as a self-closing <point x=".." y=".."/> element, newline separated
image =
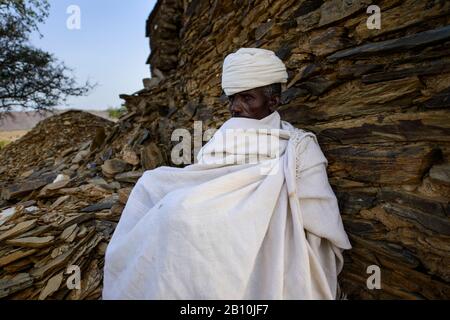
<point x="210" y="231"/>
<point x="248" y="68"/>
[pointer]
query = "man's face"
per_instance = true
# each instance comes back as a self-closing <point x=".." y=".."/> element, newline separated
<point x="251" y="103"/>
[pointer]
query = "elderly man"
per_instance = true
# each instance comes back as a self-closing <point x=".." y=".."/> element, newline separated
<point x="229" y="228"/>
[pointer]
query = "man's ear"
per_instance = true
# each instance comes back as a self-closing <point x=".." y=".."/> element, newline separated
<point x="274" y="101"/>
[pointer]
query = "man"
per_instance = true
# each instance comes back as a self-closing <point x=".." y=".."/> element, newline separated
<point x="227" y="227"/>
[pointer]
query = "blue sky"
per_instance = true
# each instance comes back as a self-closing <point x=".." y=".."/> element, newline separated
<point x="110" y="48"/>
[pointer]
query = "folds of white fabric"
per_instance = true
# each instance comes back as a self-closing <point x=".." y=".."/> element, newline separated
<point x="230" y="232"/>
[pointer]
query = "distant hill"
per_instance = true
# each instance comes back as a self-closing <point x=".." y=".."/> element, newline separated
<point x="26" y="120"/>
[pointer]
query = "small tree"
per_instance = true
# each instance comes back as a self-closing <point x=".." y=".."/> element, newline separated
<point x="30" y="77"/>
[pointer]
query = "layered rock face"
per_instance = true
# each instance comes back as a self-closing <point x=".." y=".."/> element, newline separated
<point x="376" y="98"/>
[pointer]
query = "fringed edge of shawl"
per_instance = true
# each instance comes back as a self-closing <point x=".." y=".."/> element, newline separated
<point x="340" y="295"/>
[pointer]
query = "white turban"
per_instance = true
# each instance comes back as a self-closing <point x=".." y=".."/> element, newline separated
<point x="250" y="68"/>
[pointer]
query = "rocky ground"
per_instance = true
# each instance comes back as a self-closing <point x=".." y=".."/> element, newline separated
<point x="60" y="202"/>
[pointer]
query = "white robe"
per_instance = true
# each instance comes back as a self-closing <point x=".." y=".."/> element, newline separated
<point x="211" y="231"/>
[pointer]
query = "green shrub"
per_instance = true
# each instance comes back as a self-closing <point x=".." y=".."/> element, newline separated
<point x="116" y="112"/>
<point x="3" y="143"/>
